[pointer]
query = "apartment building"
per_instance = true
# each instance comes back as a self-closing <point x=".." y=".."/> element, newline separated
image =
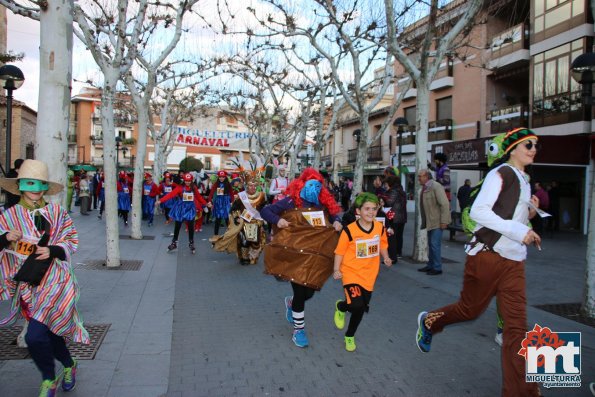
<point x="513" y="72"/>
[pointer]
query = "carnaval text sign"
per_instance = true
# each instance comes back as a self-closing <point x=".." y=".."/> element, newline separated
<point x="194" y="137"/>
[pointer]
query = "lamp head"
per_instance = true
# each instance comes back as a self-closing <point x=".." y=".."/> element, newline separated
<point x="583" y="68"/>
<point x="11" y="77"/>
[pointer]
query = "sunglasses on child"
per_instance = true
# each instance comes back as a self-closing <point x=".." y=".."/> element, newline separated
<point x="530" y="145"/>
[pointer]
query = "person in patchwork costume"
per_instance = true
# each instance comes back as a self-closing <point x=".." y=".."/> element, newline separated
<point x="37" y="240"/>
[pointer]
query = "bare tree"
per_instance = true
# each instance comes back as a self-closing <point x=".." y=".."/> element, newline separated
<point x="55" y="69"/>
<point x="142" y="88"/>
<point x="348" y="36"/>
<point x="113" y="33"/>
<point x="171" y="105"/>
<point x="421" y="50"/>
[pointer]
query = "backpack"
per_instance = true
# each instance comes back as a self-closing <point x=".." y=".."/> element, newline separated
<point x="494" y="153"/>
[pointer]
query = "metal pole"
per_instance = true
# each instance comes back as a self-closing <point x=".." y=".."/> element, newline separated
<point x="400" y="148"/>
<point x="8" y="123"/>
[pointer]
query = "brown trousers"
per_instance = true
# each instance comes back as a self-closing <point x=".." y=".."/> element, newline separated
<point x="488" y="274"/>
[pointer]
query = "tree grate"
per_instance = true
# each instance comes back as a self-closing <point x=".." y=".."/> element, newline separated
<point x="99" y="264"/>
<point x="10" y="351"/>
<point x="127" y="237"/>
<point x="571" y="311"/>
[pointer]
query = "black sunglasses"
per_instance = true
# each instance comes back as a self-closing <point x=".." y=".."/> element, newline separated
<point x="530" y="145"/>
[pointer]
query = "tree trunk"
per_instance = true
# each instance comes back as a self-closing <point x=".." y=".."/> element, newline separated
<point x="141" y="150"/>
<point x="55" y="69"/>
<point x="361" y="159"/>
<point x="588" y="306"/>
<point x="112" y="231"/>
<point x="420" y="240"/>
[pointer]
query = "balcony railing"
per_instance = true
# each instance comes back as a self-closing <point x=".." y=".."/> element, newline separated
<point x="557" y="109"/>
<point x="326" y="161"/>
<point x="508" y="118"/>
<point x="71" y="138"/>
<point x="375" y="153"/>
<point x="511" y="40"/>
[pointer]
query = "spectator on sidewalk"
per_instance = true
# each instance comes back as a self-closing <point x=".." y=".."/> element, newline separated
<point x="538" y="222"/>
<point x="435" y="217"/>
<point x="396" y="199"/>
<point x="442" y="172"/>
<point x="279" y="185"/>
<point x="42" y="283"/>
<point x="357" y="264"/>
<point x="463" y="194"/>
<point x="495" y="264"/>
<point x="84" y="193"/>
<point x="94" y="190"/>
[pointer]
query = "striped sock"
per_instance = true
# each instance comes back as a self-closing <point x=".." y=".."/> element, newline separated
<point x="298" y="320"/>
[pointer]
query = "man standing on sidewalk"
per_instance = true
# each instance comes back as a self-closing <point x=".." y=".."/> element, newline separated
<point x="435" y="217"/>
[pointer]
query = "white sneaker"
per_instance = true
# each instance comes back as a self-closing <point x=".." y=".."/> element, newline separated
<point x="498" y="339"/>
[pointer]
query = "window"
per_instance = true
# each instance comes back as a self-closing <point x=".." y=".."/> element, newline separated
<point x="411" y="115"/>
<point x="208" y="163"/>
<point x="556" y="96"/>
<point x="30" y="151"/>
<point x="549" y="13"/>
<point x="444" y="108"/>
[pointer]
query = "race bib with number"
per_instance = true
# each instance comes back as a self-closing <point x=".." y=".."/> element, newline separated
<point x="315" y="218"/>
<point x="246" y="215"/>
<point x="125" y="190"/>
<point x="220" y="191"/>
<point x="24" y="247"/>
<point x="147" y="191"/>
<point x="167" y="189"/>
<point x="367" y="248"/>
<point x="187" y="196"/>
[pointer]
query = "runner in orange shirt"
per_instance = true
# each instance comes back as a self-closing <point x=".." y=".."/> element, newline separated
<point x="357" y="264"/>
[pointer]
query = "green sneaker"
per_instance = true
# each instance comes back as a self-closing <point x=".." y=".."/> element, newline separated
<point x="350" y="343"/>
<point x="339" y="316"/>
<point x="69" y="378"/>
<point x="48" y="388"/>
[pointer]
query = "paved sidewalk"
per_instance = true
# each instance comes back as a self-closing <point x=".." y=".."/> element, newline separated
<point x="201" y="325"/>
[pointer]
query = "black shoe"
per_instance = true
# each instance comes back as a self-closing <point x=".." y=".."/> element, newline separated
<point x="433" y="272"/>
<point x="424" y="269"/>
<point x="172" y="246"/>
<point x="191" y="245"/>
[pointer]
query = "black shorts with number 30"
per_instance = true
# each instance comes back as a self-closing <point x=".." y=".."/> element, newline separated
<point x="357" y="297"/>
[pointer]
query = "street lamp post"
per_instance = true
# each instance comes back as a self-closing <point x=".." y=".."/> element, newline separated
<point x="11" y="78"/>
<point x="400" y="123"/>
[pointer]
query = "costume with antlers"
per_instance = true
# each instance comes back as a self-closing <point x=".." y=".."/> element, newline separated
<point x="245" y="235"/>
<point x="302" y="249"/>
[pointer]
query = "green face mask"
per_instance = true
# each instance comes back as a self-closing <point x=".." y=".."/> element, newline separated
<point x="33" y="185"/>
